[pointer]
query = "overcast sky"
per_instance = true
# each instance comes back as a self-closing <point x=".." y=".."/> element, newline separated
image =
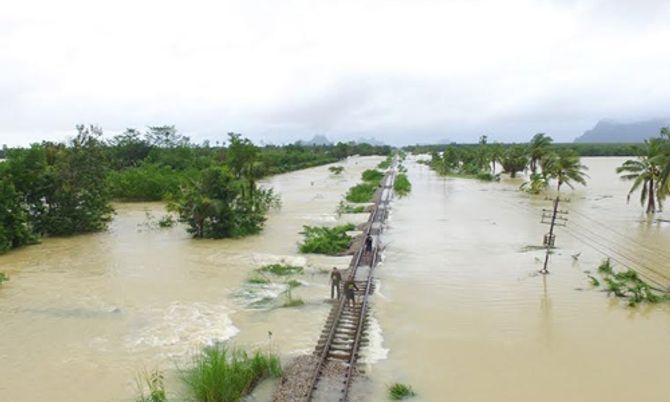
<point x="402" y="71"/>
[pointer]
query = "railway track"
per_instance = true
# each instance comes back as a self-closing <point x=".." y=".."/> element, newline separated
<point x="344" y="331"/>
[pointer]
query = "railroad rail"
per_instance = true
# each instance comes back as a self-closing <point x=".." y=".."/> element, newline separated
<point x="343" y="333"/>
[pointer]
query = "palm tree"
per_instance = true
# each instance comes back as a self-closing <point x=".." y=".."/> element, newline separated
<point x="645" y="172"/>
<point x="538" y="147"/>
<point x="566" y="168"/>
<point x="496" y="153"/>
<point x="514" y="160"/>
<point x="662" y="158"/>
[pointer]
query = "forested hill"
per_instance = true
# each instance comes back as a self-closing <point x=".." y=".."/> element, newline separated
<point x="608" y="131"/>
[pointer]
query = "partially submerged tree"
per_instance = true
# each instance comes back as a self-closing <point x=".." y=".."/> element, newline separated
<point x="514" y="160"/>
<point x="565" y="167"/>
<point x="645" y="174"/>
<point x="538" y="148"/>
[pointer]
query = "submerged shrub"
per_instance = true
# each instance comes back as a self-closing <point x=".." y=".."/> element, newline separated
<point x="386" y="163"/>
<point x="344" y="208"/>
<point x="336" y="169"/>
<point x="372" y="176"/>
<point x="627" y="285"/>
<point x="401" y="185"/>
<point x="258" y="280"/>
<point x="324" y="240"/>
<point x="222" y="374"/>
<point x="399" y="392"/>
<point x="3" y="277"/>
<point x="363" y="192"/>
<point x="281" y="269"/>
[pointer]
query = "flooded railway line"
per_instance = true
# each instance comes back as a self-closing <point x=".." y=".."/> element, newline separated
<point x="344" y="332"/>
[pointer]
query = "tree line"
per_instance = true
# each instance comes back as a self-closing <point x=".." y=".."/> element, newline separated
<point x="66" y="188"/>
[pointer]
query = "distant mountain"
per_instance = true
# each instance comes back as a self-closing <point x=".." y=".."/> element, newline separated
<point x="609" y="131"/>
<point x="371" y="141"/>
<point x="317" y="140"/>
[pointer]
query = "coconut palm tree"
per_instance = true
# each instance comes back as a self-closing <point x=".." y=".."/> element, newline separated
<point x="514" y="160"/>
<point x="662" y="159"/>
<point x="645" y="172"/>
<point x="538" y="148"/>
<point x="496" y="153"/>
<point x="566" y="168"/>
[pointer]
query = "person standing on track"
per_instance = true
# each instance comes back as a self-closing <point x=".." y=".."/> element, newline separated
<point x="349" y="287"/>
<point x="335" y="279"/>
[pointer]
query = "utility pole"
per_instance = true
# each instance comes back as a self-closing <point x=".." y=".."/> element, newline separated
<point x="552" y="218"/>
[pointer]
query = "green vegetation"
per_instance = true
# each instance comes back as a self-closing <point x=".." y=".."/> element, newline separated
<point x="3" y="277"/>
<point x="222" y="374"/>
<point x="386" y="163"/>
<point x="645" y="172"/>
<point x="401" y="185"/>
<point x="364" y="192"/>
<point x="372" y="176"/>
<point x="398" y="392"/>
<point x="627" y="285"/>
<point x="336" y="170"/>
<point x="154" y="383"/>
<point x="290" y="300"/>
<point x="344" y="208"/>
<point x="258" y="280"/>
<point x="281" y="269"/>
<point x="59" y="189"/>
<point x="325" y="240"/>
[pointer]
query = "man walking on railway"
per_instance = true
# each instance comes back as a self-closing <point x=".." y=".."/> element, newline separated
<point x="335" y="279"/>
<point x="349" y="287"/>
<point x="368" y="243"/>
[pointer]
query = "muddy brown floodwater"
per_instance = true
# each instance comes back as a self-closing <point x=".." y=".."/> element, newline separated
<point x="460" y="313"/>
<point x="465" y="317"/>
<point x="82" y="315"/>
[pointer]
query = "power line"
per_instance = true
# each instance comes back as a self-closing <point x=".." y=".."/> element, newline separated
<point x="657" y="251"/>
<point x="629" y="251"/>
<point x="661" y="287"/>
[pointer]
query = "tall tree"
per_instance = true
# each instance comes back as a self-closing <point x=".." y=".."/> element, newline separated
<point x="565" y="167"/>
<point x="645" y="174"/>
<point x="514" y="160"/>
<point x="538" y="148"/>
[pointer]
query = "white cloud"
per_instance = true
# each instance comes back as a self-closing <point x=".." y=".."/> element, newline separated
<point x="276" y="70"/>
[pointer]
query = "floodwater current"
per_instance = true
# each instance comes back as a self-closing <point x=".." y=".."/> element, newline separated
<point x="460" y="312"/>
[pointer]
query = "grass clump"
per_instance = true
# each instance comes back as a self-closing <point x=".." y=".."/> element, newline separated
<point x="401" y="185"/>
<point x="336" y="169"/>
<point x="325" y="240"/>
<point x="282" y="269"/>
<point x="222" y="374"/>
<point x="363" y="192"/>
<point x="372" y="176"/>
<point x="386" y="163"/>
<point x="154" y="382"/>
<point x="627" y="285"/>
<point x="3" y="277"/>
<point x="293" y="302"/>
<point x="398" y="392"/>
<point x="344" y="208"/>
<point x="166" y="221"/>
<point x="258" y="280"/>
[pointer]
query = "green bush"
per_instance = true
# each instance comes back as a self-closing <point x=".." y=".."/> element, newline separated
<point x="336" y="169"/>
<point x="281" y="269"/>
<point x="401" y="185"/>
<point x="148" y="182"/>
<point x="363" y="192"/>
<point x="324" y="240"/>
<point x="372" y="176"/>
<point x="344" y="208"/>
<point x="386" y="163"/>
<point x="399" y="392"/>
<point x="3" y="277"/>
<point x="221" y="374"/>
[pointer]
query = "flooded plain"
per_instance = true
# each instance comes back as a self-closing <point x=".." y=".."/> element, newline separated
<point x="81" y="316"/>
<point x="466" y="317"/>
<point x="460" y="312"/>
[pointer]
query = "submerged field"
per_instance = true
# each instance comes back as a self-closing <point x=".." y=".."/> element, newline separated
<point x="460" y="313"/>
<point x="466" y="317"/>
